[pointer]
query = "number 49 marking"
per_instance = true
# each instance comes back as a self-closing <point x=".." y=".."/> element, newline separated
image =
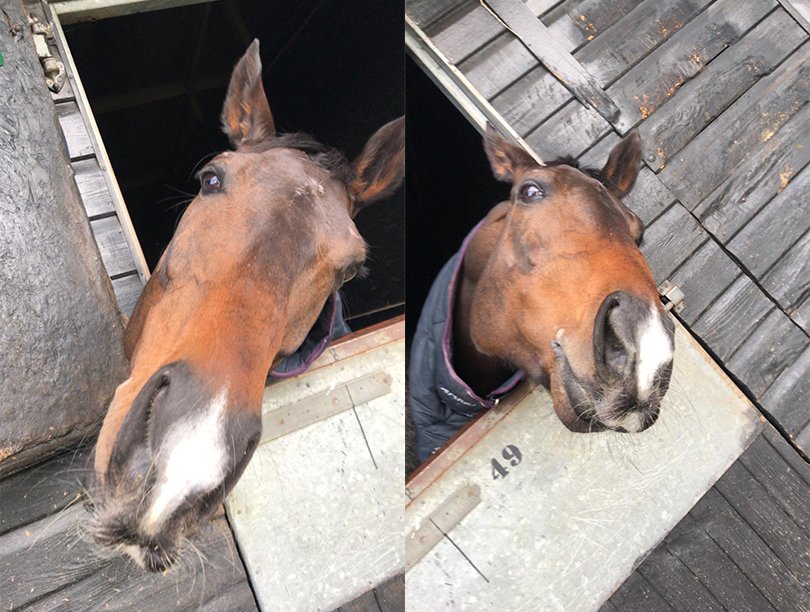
<point x="512" y="456"/>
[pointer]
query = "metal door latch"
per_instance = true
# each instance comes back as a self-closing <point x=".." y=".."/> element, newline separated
<point x="672" y="296"/>
<point x="54" y="69"/>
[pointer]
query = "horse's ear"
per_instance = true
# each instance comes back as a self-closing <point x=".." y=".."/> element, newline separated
<point x="623" y="164"/>
<point x="504" y="157"/>
<point x="380" y="168"/>
<point x="246" y="116"/>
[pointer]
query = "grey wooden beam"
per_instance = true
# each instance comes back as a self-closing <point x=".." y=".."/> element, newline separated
<point x="546" y="48"/>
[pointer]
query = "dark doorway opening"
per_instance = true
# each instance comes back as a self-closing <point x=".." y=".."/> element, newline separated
<point x="450" y="185"/>
<point x="156" y="82"/>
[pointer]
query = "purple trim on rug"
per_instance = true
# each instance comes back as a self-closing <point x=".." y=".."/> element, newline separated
<point x="448" y="329"/>
<point x="318" y="349"/>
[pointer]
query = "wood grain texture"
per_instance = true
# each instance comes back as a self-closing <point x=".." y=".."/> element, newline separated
<point x="90" y="180"/>
<point x="670" y="577"/>
<point x="504" y="60"/>
<point x="744" y="544"/>
<point x="538" y="39"/>
<point x="638" y="595"/>
<point x="706" y="559"/>
<point x="367" y="602"/>
<point x="76" y="135"/>
<point x="570" y="131"/>
<point x="670" y="240"/>
<point x="655" y="79"/>
<point x="773" y="346"/>
<point x="752" y="502"/>
<point x="788" y="398"/>
<point x="127" y="291"/>
<point x="749" y="552"/>
<point x="703" y="277"/>
<point x="767" y="169"/>
<point x="425" y="12"/>
<point x="391" y="594"/>
<point x="775" y="228"/>
<point x="635" y="35"/>
<point x="754" y="118"/>
<point x="112" y="245"/>
<point x="531" y="99"/>
<point x="788" y="281"/>
<point x="732" y="317"/>
<point x="695" y="104"/>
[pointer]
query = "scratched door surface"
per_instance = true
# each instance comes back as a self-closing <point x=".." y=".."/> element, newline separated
<point x="318" y="514"/>
<point x="529" y="516"/>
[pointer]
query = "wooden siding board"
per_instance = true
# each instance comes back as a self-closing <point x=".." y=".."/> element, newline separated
<point x="788" y="397"/>
<point x="464" y="31"/>
<point x="773" y="346"/>
<point x="782" y="473"/>
<point x="749" y="552"/>
<point x="801" y="313"/>
<point x="76" y="136"/>
<point x="762" y="513"/>
<point x="504" y="60"/>
<point x="788" y="281"/>
<point x="531" y="100"/>
<point x="391" y="594"/>
<point x="425" y="12"/>
<point x="638" y="595"/>
<point x="654" y="80"/>
<point x="754" y="118"/>
<point x="235" y="598"/>
<point x="112" y="245"/>
<point x="570" y="131"/>
<point x="635" y="35"/>
<point x="765" y="172"/>
<point x="721" y="576"/>
<point x="670" y="240"/>
<point x="365" y="603"/>
<point x="775" y="228"/>
<point x="710" y="92"/>
<point x="92" y="187"/>
<point x="676" y="583"/>
<point x="726" y="324"/>
<point x="33" y="494"/>
<point x="704" y="276"/>
<point x="127" y="290"/>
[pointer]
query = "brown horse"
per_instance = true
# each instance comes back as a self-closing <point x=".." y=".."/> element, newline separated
<point x="258" y="253"/>
<point x="551" y="284"/>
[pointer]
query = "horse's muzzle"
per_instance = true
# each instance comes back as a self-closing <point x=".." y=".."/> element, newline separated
<point x="177" y="454"/>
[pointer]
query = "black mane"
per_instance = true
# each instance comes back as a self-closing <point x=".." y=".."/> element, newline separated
<point x="328" y="158"/>
<point x="592" y="172"/>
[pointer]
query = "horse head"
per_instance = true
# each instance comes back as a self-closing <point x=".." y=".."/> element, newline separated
<point x="558" y="288"/>
<point x="259" y="251"/>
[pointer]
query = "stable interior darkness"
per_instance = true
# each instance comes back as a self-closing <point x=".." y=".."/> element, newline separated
<point x="450" y="185"/>
<point x="156" y="83"/>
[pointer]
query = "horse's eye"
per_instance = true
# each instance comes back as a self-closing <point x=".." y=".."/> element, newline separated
<point x="530" y="193"/>
<point x="210" y="182"/>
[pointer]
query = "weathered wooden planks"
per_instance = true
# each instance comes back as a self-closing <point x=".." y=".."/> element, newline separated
<point x="112" y="245"/>
<point x="76" y="136"/>
<point x="697" y="102"/>
<point x="93" y="188"/>
<point x="670" y="240"/>
<point x="754" y="118"/>
<point x="570" y="131"/>
<point x="788" y="281"/>
<point x="743" y="546"/>
<point x="788" y="398"/>
<point x="767" y="169"/>
<point x="657" y="77"/>
<point x="732" y="317"/>
<point x="543" y="45"/>
<point x="775" y="228"/>
<point x="773" y="346"/>
<point x="127" y="291"/>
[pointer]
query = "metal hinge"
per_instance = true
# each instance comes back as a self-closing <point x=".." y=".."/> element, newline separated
<point x="672" y="296"/>
<point x="54" y="69"/>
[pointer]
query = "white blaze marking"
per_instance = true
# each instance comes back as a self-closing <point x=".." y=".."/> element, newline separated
<point x="195" y="460"/>
<point x="654" y="350"/>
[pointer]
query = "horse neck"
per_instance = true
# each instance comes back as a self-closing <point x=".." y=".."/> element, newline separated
<point x="481" y="372"/>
